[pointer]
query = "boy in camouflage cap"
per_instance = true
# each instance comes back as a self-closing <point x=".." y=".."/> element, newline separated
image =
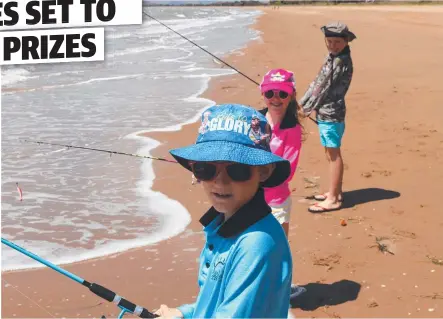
<point x="326" y="96"/>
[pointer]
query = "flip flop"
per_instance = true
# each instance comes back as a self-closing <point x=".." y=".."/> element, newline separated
<point x="323" y="209"/>
<point x="322" y="197"/>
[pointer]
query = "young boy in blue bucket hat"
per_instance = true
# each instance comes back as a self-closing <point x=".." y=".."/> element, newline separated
<point x="246" y="264"/>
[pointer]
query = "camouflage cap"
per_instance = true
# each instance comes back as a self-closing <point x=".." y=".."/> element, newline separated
<point x="338" y="29"/>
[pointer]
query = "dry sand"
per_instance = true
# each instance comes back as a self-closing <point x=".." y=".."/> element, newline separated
<point x="393" y="150"/>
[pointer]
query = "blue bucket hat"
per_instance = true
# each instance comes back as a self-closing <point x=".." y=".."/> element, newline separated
<point x="234" y="133"/>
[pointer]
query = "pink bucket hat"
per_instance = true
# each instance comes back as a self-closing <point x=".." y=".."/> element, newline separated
<point x="278" y="79"/>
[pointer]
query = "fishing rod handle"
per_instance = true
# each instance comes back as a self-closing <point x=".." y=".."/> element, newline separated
<point x="111" y="296"/>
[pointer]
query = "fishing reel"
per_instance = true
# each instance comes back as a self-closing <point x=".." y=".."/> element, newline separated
<point x="125" y="305"/>
<point x="124" y="311"/>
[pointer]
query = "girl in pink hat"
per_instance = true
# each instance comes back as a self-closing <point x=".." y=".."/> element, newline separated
<point x="278" y="90"/>
<point x="279" y="94"/>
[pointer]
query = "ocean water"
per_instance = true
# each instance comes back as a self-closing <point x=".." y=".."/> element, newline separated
<point x="79" y="204"/>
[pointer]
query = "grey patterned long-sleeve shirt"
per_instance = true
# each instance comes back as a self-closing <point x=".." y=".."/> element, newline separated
<point x="326" y="94"/>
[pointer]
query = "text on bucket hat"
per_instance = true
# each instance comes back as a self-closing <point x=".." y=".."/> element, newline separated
<point x="278" y="79"/>
<point x="338" y="29"/>
<point x="234" y="133"/>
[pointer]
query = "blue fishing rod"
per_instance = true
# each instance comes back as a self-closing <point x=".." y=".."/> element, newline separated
<point x="125" y="305"/>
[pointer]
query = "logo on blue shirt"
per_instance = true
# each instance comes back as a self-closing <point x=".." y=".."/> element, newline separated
<point x="219" y="267"/>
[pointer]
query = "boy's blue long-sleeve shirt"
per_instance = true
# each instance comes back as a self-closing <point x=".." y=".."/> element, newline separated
<point x="245" y="266"/>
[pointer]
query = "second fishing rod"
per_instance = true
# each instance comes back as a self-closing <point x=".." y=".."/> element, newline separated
<point x="211" y="54"/>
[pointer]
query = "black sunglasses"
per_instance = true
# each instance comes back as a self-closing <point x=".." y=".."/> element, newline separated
<point x="270" y="94"/>
<point x="208" y="171"/>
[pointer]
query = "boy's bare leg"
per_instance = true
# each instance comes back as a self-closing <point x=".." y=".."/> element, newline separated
<point x="334" y="195"/>
<point x="336" y="178"/>
<point x="333" y="168"/>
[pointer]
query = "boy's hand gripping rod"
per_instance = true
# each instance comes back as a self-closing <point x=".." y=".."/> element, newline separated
<point x="123" y="304"/>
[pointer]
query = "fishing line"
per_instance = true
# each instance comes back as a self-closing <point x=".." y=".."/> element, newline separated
<point x="98" y="150"/>
<point x="214" y="56"/>
<point x="34" y="302"/>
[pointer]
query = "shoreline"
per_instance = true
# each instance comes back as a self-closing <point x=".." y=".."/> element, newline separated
<point x="388" y="166"/>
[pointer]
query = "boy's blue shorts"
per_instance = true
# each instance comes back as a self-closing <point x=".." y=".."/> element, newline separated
<point x="331" y="133"/>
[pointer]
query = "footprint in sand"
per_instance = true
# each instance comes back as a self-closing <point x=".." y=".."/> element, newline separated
<point x="311" y="182"/>
<point x="383" y="172"/>
<point x="326" y="261"/>
<point x="372" y="304"/>
<point x="405" y="233"/>
<point x="366" y="174"/>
